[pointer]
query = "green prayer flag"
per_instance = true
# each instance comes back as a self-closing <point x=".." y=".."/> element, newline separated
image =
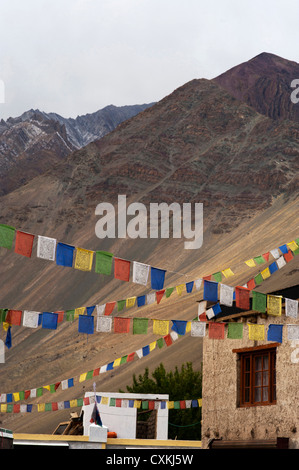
<point x="7" y="234"/>
<point x="103" y="264"/>
<point x="79" y="402"/>
<point x="120" y="305"/>
<point x="140" y="326"/>
<point x="169" y="291"/>
<point x="89" y="375"/>
<point x="259" y="301"/>
<point x="160" y="343"/>
<point x="218" y="276"/>
<point x="22" y="395"/>
<point x="3" y="313"/>
<point x="259" y="259"/>
<point x="112" y="402"/>
<point x="124" y="359"/>
<point x="296" y="252"/>
<point x="70" y="315"/>
<point x="235" y="330"/>
<point x="258" y="279"/>
<point x="9" y="408"/>
<point x="144" y="404"/>
<point x="39" y="391"/>
<point x="176" y="405"/>
<point x="48" y="406"/>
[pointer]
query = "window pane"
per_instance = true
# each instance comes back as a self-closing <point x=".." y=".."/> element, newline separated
<point x="265" y="394"/>
<point x="266" y="362"/>
<point x="247" y="364"/>
<point x="258" y="363"/>
<point x="258" y="378"/>
<point x="265" y="378"/>
<point x="247" y="380"/>
<point x="257" y="394"/>
<point x="247" y="395"/>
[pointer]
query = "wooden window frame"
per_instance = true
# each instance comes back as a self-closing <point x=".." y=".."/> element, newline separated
<point x="250" y="355"/>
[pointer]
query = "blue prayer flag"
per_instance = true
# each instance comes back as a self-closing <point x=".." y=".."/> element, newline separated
<point x="275" y="333"/>
<point x="273" y="267"/>
<point x="189" y="286"/>
<point x="89" y="310"/>
<point x="283" y="249"/>
<point x="179" y="326"/>
<point x="70" y="383"/>
<point x="141" y="300"/>
<point x="86" y="324"/>
<point x="8" y="338"/>
<point x="110" y="366"/>
<point x="157" y="278"/>
<point x="145" y="350"/>
<point x="216" y="309"/>
<point x="49" y="320"/>
<point x="64" y="255"/>
<point x="67" y="404"/>
<point x="210" y="291"/>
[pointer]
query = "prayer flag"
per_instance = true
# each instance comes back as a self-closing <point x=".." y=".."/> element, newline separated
<point x="14" y="317"/>
<point x="217" y="276"/>
<point x="242" y="298"/>
<point x="189" y="286"/>
<point x="259" y="301"/>
<point x="274" y="333"/>
<point x="198" y="283"/>
<point x="120" y="305"/>
<point x="49" y="320"/>
<point x="251" y="284"/>
<point x="210" y="291"/>
<point x="288" y="256"/>
<point x="258" y="279"/>
<point x="227" y="272"/>
<point x="103" y="263"/>
<point x="157" y="278"/>
<point x="121" y="325"/>
<point x="150" y="298"/>
<point x="256" y="332"/>
<point x="259" y="259"/>
<point x="140" y="273"/>
<point x="281" y="262"/>
<point x="266" y="256"/>
<point x="86" y="324"/>
<point x="130" y="302"/>
<point x="83" y="260"/>
<point x="266" y="273"/>
<point x="46" y="248"/>
<point x="235" y="330"/>
<point x="122" y="269"/>
<point x="250" y="263"/>
<point x="216" y="330"/>
<point x="283" y="249"/>
<point x="109" y="307"/>
<point x="141" y="300"/>
<point x="198" y="328"/>
<point x="160" y="327"/>
<point x="274" y="304"/>
<point x="179" y="326"/>
<point x="273" y="267"/>
<point x="64" y="255"/>
<point x="104" y="324"/>
<point x="275" y="253"/>
<point x="24" y="243"/>
<point x="140" y="326"/>
<point x="292" y="245"/>
<point x="7" y="235"/>
<point x="291" y="308"/>
<point x="30" y="319"/>
<point x="226" y="295"/>
<point x="293" y="332"/>
<point x="159" y="295"/>
<point x="180" y="289"/>
<point x="169" y="291"/>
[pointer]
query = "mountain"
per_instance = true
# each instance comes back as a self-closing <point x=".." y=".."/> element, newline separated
<point x="198" y="144"/>
<point x="264" y="82"/>
<point x="36" y="141"/>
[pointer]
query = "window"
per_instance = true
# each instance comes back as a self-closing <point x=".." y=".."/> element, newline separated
<point x="258" y="377"/>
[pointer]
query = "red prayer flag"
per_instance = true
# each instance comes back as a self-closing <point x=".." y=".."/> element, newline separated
<point x="118" y="402"/>
<point x="251" y="284"/>
<point x="86" y="400"/>
<point x="151" y="405"/>
<point x="182" y="404"/>
<point x="207" y="278"/>
<point x="27" y="394"/>
<point x="16" y="408"/>
<point x="121" y="325"/>
<point x="109" y="307"/>
<point x="216" y="330"/>
<point x="24" y="243"/>
<point x="266" y="256"/>
<point x="96" y="372"/>
<point x="14" y="317"/>
<point x="60" y="316"/>
<point x="168" y="340"/>
<point x="130" y="357"/>
<point x="54" y="406"/>
<point x="202" y="317"/>
<point x="122" y="269"/>
<point x="288" y="256"/>
<point x="159" y="295"/>
<point x="242" y="297"/>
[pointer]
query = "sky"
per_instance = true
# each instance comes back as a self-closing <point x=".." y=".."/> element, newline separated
<point x="75" y="57"/>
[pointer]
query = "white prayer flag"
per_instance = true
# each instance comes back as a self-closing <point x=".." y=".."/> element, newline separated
<point x="33" y="393"/>
<point x="198" y="328"/>
<point x="293" y="332"/>
<point x="101" y="309"/>
<point x="64" y="384"/>
<point x="139" y="353"/>
<point x="3" y="398"/>
<point x="104" y="324"/>
<point x="226" y="295"/>
<point x="281" y="262"/>
<point x="291" y="308"/>
<point x="275" y="253"/>
<point x="210" y="313"/>
<point x="30" y="319"/>
<point x="197" y="283"/>
<point x="151" y="298"/>
<point x="140" y="273"/>
<point x="46" y="248"/>
<point x="60" y="405"/>
<point x="174" y="335"/>
<point x="202" y="306"/>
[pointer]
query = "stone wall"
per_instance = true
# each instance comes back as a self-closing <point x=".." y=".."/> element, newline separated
<point x="222" y="417"/>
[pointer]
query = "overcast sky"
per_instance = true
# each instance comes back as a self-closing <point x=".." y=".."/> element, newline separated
<point x="77" y="56"/>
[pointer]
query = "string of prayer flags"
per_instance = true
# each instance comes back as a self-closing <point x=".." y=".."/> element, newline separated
<point x="274" y="304"/>
<point x="24" y="243"/>
<point x="64" y="255"/>
<point x="103" y="262"/>
<point x="84" y="259"/>
<point x="242" y="297"/>
<point x="7" y="235"/>
<point x="46" y="248"/>
<point x="140" y="273"/>
<point x="256" y="332"/>
<point x="157" y="278"/>
<point x="122" y="269"/>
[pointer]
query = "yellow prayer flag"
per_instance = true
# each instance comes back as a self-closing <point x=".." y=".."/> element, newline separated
<point x="47" y="387"/>
<point x="117" y="362"/>
<point x="16" y="396"/>
<point x="137" y="403"/>
<point x="266" y="273"/>
<point x="130" y="302"/>
<point x="274" y="304"/>
<point x="200" y="402"/>
<point x="82" y="377"/>
<point x="227" y="272"/>
<point x="292" y="245"/>
<point x="170" y="405"/>
<point x="73" y="403"/>
<point x="5" y="325"/>
<point x="161" y="327"/>
<point x="3" y="407"/>
<point x="83" y="259"/>
<point x="256" y="332"/>
<point x="250" y="263"/>
<point x="188" y="327"/>
<point x="41" y="407"/>
<point x="104" y="400"/>
<point x="152" y="345"/>
<point x="79" y="311"/>
<point x="180" y="289"/>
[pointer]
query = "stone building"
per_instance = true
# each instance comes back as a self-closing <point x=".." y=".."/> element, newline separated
<point x="251" y="386"/>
